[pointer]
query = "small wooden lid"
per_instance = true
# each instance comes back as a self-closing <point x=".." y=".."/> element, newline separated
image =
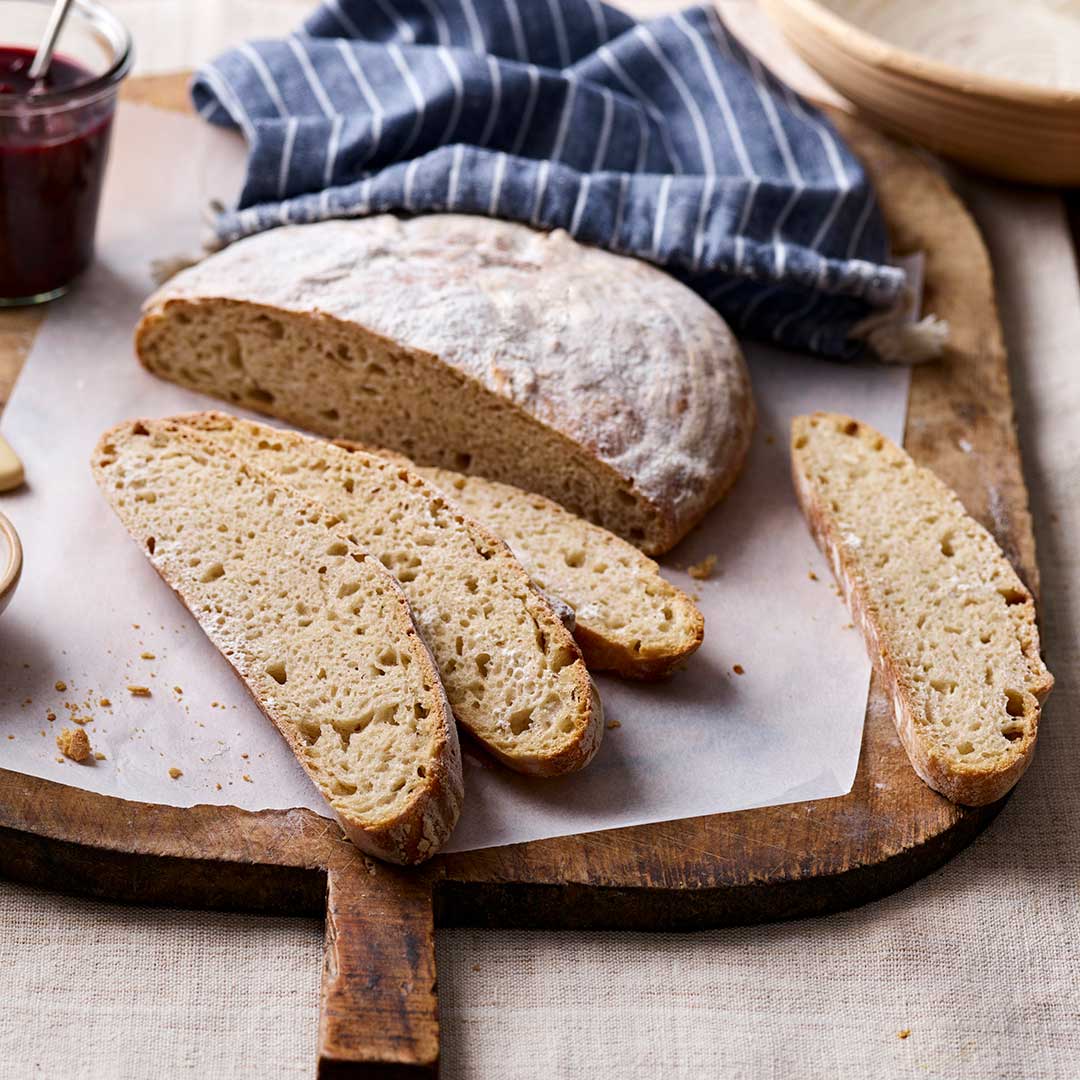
<point x="10" y="561"/>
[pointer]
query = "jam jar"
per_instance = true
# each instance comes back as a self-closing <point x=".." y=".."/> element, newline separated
<point x="54" y="144"/>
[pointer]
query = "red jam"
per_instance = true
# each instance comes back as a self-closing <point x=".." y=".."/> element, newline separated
<point x="52" y="162"/>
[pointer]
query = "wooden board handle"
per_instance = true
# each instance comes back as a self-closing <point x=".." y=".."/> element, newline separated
<point x="378" y="1015"/>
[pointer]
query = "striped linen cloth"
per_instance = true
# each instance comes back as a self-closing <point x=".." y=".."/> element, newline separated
<point x="664" y="139"/>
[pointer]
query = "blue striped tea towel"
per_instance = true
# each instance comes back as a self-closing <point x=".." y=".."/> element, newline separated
<point x="664" y="139"/>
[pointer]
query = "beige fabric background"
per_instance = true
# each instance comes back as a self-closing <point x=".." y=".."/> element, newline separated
<point x="981" y="961"/>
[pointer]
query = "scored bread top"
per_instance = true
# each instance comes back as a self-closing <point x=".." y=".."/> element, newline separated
<point x="318" y="630"/>
<point x="628" y="618"/>
<point x="611" y="352"/>
<point x="513" y="673"/>
<point x="943" y="612"/>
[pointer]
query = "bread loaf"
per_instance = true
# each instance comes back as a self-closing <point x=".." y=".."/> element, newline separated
<point x="318" y="630"/>
<point x="627" y="618"/>
<point x="513" y="674"/>
<point x="945" y="617"/>
<point x="475" y="345"/>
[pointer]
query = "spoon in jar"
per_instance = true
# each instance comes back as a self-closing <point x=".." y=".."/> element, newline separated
<point x="43" y="57"/>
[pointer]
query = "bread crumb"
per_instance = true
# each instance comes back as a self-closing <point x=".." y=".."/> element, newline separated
<point x="476" y="967"/>
<point x="60" y="761"/>
<point x="244" y="756"/>
<point x="739" y="669"/>
<point x="147" y="656"/>
<point x="105" y="703"/>
<point x="769" y="440"/>
<point x="903" y="1034"/>
<point x="218" y="786"/>
<point x="612" y="724"/>
<point x="61" y="686"/>
<point x="246" y="778"/>
<point x="812" y="576"/>
<point x="703" y="570"/>
<point x="73" y="743"/>
<point x="81" y="719"/>
<point x="175" y="773"/>
<point x="98" y="755"/>
<point x="139" y="691"/>
<point x="50" y="716"/>
<point x="178" y="689"/>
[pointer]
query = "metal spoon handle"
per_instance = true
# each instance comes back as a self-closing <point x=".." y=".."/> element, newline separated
<point x="43" y="56"/>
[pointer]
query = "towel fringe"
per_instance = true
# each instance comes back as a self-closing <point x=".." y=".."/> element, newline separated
<point x="895" y="339"/>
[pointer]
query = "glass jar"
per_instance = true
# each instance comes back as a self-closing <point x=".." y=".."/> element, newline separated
<point x="54" y="142"/>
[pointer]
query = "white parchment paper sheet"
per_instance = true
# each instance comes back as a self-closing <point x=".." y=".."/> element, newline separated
<point x="93" y="616"/>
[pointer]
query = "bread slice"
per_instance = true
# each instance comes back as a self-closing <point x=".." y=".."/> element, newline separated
<point x="317" y="629"/>
<point x="945" y="618"/>
<point x="627" y="618"/>
<point x="514" y="676"/>
<point x="478" y="345"/>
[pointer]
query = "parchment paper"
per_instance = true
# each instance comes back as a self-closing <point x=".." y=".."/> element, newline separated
<point x="92" y="616"/>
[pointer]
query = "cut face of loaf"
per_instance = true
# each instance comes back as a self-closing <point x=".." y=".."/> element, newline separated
<point x="318" y="631"/>
<point x="628" y="619"/>
<point x="513" y="674"/>
<point x="475" y="345"/>
<point x="945" y="617"/>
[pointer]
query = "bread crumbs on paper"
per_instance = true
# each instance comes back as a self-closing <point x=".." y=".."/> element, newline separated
<point x="702" y="571"/>
<point x="812" y="576"/>
<point x="105" y="703"/>
<point x="738" y="669"/>
<point x="61" y="686"/>
<point x="147" y="656"/>
<point x="82" y="719"/>
<point x="73" y="743"/>
<point x="613" y="724"/>
<point x="175" y="773"/>
<point x="903" y="1034"/>
<point x="247" y="779"/>
<point x="50" y="716"/>
<point x="98" y="755"/>
<point x="139" y="691"/>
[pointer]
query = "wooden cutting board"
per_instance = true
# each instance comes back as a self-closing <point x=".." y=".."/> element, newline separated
<point x="379" y="1014"/>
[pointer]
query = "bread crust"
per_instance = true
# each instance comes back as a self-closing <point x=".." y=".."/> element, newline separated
<point x="969" y="786"/>
<point x="638" y="376"/>
<point x="425" y="823"/>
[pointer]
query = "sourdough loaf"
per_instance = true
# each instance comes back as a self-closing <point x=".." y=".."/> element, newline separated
<point x="945" y="617"/>
<point x="318" y="630"/>
<point x="476" y="345"/>
<point x="627" y="617"/>
<point x="513" y="674"/>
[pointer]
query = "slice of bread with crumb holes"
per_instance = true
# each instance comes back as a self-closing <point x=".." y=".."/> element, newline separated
<point x="317" y="629"/>
<point x="629" y="619"/>
<point x="944" y="615"/>
<point x="515" y="677"/>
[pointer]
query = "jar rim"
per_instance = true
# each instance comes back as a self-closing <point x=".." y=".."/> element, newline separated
<point x="118" y="36"/>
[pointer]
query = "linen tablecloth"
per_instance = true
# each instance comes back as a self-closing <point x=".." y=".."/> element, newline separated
<point x="980" y="962"/>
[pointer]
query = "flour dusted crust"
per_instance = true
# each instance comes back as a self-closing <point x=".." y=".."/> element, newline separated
<point x="615" y="372"/>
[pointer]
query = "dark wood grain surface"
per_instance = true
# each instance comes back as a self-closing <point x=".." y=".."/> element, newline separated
<point x="378" y="1005"/>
